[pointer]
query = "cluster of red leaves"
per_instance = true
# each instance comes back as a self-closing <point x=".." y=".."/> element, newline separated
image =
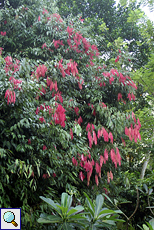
<point x="109" y="177"/>
<point x="46" y="175"/>
<point x="79" y="121"/>
<point x="87" y="164"/>
<point x="29" y="141"/>
<point x="82" y="20"/>
<point x="58" y="96"/>
<point x="105" y="134"/>
<point x="3" y="33"/>
<point x="44" y="108"/>
<point x="71" y="133"/>
<point x="44" y="147"/>
<point x="133" y="132"/>
<point x="59" y="116"/>
<point x="131" y="96"/>
<point x="76" y="41"/>
<point x="55" y="16"/>
<point x="11" y="68"/>
<point x="42" y="91"/>
<point x="15" y="82"/>
<point x="24" y="8"/>
<point x="92" y="138"/>
<point x="51" y="84"/>
<point x="92" y="107"/>
<point x="42" y="119"/>
<point x="71" y="68"/>
<point x="45" y="11"/>
<point x="100" y="83"/>
<point x="76" y="109"/>
<point x="44" y="45"/>
<point x="117" y="59"/>
<point x="122" y="79"/>
<point x="120" y="97"/>
<point x="102" y="104"/>
<point x="11" y="96"/>
<point x="115" y="157"/>
<point x="57" y="43"/>
<point x="40" y="71"/>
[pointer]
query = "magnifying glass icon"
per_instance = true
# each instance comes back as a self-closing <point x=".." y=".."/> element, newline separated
<point x="9" y="217"/>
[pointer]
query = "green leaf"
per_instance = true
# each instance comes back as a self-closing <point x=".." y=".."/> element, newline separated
<point x="63" y="209"/>
<point x="105" y="212"/>
<point x="90" y="211"/>
<point x="75" y="210"/>
<point x="51" y="203"/>
<point x="145" y="187"/>
<point x="66" y="200"/>
<point x="146" y="228"/>
<point x="44" y="221"/>
<point x="99" y="204"/>
<point x="50" y="219"/>
<point x="107" y="198"/>
<point x="66" y="226"/>
<point x="111" y="222"/>
<point x="150" y="191"/>
<point x="38" y="169"/>
<point x="77" y="217"/>
<point x="151" y="222"/>
<point x="90" y="204"/>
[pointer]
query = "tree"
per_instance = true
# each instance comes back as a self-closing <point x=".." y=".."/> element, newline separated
<point x="108" y="23"/>
<point x="136" y="41"/>
<point x="63" y="110"/>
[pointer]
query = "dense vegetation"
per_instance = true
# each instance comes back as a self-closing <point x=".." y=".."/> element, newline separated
<point x="76" y="112"/>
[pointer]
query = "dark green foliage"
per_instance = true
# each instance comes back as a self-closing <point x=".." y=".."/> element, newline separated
<point x="117" y="24"/>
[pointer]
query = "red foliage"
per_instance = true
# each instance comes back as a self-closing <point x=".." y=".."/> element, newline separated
<point x="76" y="109"/>
<point x="71" y="134"/>
<point x="3" y="33"/>
<point x="42" y="119"/>
<point x="11" y="96"/>
<point x="44" y="147"/>
<point x="40" y="71"/>
<point x="81" y="176"/>
<point x="74" y="161"/>
<point x="59" y="116"/>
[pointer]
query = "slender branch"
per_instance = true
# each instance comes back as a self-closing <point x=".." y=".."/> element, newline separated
<point x="137" y="204"/>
